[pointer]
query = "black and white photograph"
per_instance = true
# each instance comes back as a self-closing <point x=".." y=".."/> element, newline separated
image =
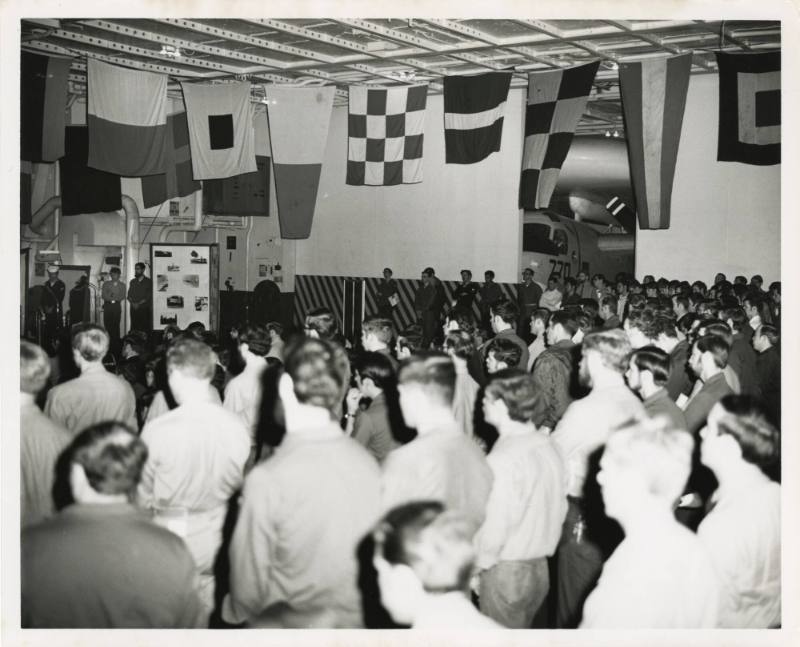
<point x="503" y="348"/>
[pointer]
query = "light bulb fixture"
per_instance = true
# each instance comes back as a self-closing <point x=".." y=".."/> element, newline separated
<point x="616" y="133"/>
<point x="608" y="133"/>
<point x="170" y="51"/>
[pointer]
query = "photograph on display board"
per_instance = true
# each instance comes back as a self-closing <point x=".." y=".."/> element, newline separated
<point x="162" y="253"/>
<point x="173" y="267"/>
<point x="197" y="259"/>
<point x="201" y="303"/>
<point x="192" y="280"/>
<point x="169" y="320"/>
<point x="162" y="282"/>
<point x="175" y="301"/>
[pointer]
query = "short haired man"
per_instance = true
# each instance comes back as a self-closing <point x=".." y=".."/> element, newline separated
<point x="680" y="305"/>
<point x="140" y="296"/>
<point x="583" y="287"/>
<point x="372" y="427"/>
<point x="386" y="298"/>
<point x="428" y="303"/>
<point x="608" y="313"/>
<point x="708" y="359"/>
<point x="742" y="357"/>
<point x="408" y="342"/>
<point x="101" y="562"/>
<point x="276" y="343"/>
<point x="197" y="456"/>
<point x="320" y="323"/>
<point x="570" y="296"/>
<point x="95" y="395"/>
<point x="601" y="288"/>
<point x="766" y="342"/>
<point x="304" y="511"/>
<point x="583" y="429"/>
<point x="441" y="463"/>
<point x="551" y="298"/>
<point x="665" y="336"/>
<point x="538" y="326"/>
<point x="752" y="304"/>
<point x="489" y="293"/>
<point x="243" y="392"/>
<point x="660" y="576"/>
<point x="553" y="370"/>
<point x="52" y="304"/>
<point x="465" y="292"/>
<point x="113" y="293"/>
<point x="528" y="295"/>
<point x="501" y="353"/>
<point x="459" y="345"/>
<point x="504" y="316"/>
<point x="376" y="335"/>
<point x="526" y="507"/>
<point x="424" y="557"/>
<point x="41" y="440"/>
<point x="647" y="375"/>
<point x="743" y="530"/>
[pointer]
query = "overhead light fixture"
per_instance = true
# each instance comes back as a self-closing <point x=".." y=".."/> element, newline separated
<point x="608" y="133"/>
<point x="170" y="51"/>
<point x="616" y="133"/>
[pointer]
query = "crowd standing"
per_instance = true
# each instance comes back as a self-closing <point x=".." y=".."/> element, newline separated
<point x="595" y="454"/>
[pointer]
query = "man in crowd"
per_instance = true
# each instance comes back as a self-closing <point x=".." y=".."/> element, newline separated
<point x="551" y="298"/>
<point x="53" y="305"/>
<point x="583" y="288"/>
<point x="304" y="511"/>
<point x="140" y="296"/>
<point x="708" y="359"/>
<point x="102" y="562"/>
<point x="526" y="507"/>
<point x="424" y="556"/>
<point x="766" y="342"/>
<point x="197" y="456"/>
<point x="539" y="320"/>
<point x="660" y="576"/>
<point x="501" y="354"/>
<point x="583" y="430"/>
<point x="528" y="295"/>
<point x="465" y="292"/>
<point x="96" y="395"/>
<point x="376" y="335"/>
<point x="505" y="315"/>
<point x="608" y="313"/>
<point x="441" y="463"/>
<point x="428" y="304"/>
<point x="276" y="343"/>
<point x="742" y="357"/>
<point x="647" y="375"/>
<point x="113" y="294"/>
<point x="243" y="392"/>
<point x="743" y="530"/>
<point x="372" y="427"/>
<point x="490" y="293"/>
<point x="553" y="370"/>
<point x="386" y="294"/>
<point x="459" y="346"/>
<point x="41" y="440"/>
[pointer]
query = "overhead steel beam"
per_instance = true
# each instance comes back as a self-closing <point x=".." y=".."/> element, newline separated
<point x="726" y="33"/>
<point x="628" y="28"/>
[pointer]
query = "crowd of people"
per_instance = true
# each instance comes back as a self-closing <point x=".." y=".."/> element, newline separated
<point x="593" y="455"/>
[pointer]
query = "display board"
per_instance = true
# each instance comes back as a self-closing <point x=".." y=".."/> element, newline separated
<point x="185" y="285"/>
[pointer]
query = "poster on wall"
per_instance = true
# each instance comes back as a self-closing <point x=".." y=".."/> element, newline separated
<point x="186" y="285"/>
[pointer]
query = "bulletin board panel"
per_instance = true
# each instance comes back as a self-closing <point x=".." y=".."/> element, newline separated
<point x="185" y="284"/>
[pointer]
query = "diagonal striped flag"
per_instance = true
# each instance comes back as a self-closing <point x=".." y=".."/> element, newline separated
<point x="44" y="81"/>
<point x="653" y="100"/>
<point x="298" y="126"/>
<point x="749" y="108"/>
<point x="473" y="115"/>
<point x="556" y="101"/>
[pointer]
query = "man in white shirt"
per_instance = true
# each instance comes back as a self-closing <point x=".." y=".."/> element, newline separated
<point x="305" y="509"/>
<point x="424" y="556"/>
<point x="197" y="454"/>
<point x="243" y="392"/>
<point x="580" y="434"/>
<point x="441" y="463"/>
<point x="96" y="395"/>
<point x="526" y="507"/>
<point x="376" y="335"/>
<point x="743" y="530"/>
<point x="661" y="575"/>
<point x="459" y="346"/>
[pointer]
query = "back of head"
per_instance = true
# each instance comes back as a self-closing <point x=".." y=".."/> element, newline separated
<point x="376" y="367"/>
<point x="34" y="367"/>
<point x="316" y="374"/>
<point x="517" y="390"/>
<point x="460" y="343"/>
<point x="411" y="339"/>
<point x="435" y="543"/>
<point x="567" y="321"/>
<point x="191" y="358"/>
<point x="541" y="314"/>
<point x="590" y="307"/>
<point x="655" y="360"/>
<point x="112" y="456"/>
<point x="613" y="347"/>
<point x="196" y="329"/>
<point x="134" y="341"/>
<point x="322" y="321"/>
<point x="382" y="328"/>
<point x="506" y="310"/>
<point x="463" y="318"/>
<point x="737" y="318"/>
<point x="433" y="371"/>
<point x="747" y="421"/>
<point x="611" y="303"/>
<point x="770" y="332"/>
<point x="719" y="329"/>
<point x="256" y="337"/>
<point x="505" y="350"/>
<point x="662" y="456"/>
<point x="91" y="341"/>
<point x="663" y="326"/>
<point x="715" y="345"/>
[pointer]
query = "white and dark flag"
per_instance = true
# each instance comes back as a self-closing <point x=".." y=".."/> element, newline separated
<point x="474" y="107"/>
